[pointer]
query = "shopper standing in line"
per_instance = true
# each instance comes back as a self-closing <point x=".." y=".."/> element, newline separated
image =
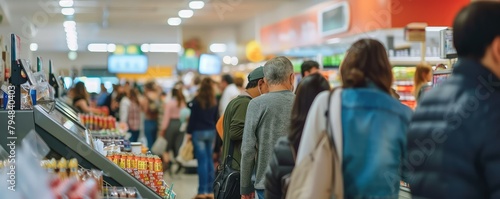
<point x="81" y="99"/>
<point x="374" y="124"/>
<point x="268" y="119"/>
<point x="423" y="75"/>
<point x="453" y="140"/>
<point x="308" y="68"/>
<point x="201" y="126"/>
<point x="151" y="105"/>
<point x="101" y="98"/>
<point x="171" y="125"/>
<point x="236" y="111"/>
<point x="134" y="115"/>
<point x="283" y="160"/>
<point x="229" y="92"/>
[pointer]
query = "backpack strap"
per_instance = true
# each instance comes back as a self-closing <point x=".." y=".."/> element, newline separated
<point x="335" y="129"/>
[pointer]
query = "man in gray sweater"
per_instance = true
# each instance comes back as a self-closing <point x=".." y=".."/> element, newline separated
<point x="267" y="119"/>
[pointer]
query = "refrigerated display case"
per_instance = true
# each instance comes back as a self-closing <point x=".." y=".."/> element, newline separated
<point x="403" y="84"/>
<point x="69" y="139"/>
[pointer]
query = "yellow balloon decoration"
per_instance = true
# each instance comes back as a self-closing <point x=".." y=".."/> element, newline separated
<point x="254" y="51"/>
<point x="120" y="50"/>
<point x="190" y="52"/>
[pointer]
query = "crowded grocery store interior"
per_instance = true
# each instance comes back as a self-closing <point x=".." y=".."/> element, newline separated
<point x="247" y="99"/>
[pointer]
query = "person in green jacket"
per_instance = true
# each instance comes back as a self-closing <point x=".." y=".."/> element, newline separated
<point x="235" y="113"/>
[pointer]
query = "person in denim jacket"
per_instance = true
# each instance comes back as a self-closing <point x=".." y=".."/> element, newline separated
<point x="374" y="124"/>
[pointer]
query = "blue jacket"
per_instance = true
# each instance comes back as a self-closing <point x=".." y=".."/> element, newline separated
<point x="454" y="137"/>
<point x="374" y="140"/>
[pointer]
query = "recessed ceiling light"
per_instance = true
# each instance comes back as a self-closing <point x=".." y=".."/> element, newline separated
<point x="218" y="48"/>
<point x="72" y="55"/>
<point x="234" y="61"/>
<point x="33" y="46"/>
<point x="68" y="11"/>
<point x="168" y="48"/>
<point x="186" y="13"/>
<point x="111" y="48"/>
<point x="73" y="47"/>
<point x="66" y="3"/>
<point x="226" y="59"/>
<point x="98" y="47"/>
<point x="145" y="48"/>
<point x="196" y="5"/>
<point x="69" y="24"/>
<point x="174" y="21"/>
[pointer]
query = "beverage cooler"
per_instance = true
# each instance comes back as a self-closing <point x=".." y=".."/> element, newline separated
<point x="403" y="84"/>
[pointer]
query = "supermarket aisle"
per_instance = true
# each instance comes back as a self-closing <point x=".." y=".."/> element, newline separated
<point x="185" y="185"/>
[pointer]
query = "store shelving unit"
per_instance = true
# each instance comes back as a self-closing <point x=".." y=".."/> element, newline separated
<point x="403" y="84"/>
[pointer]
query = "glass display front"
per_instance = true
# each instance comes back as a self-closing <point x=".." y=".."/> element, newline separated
<point x="69" y="124"/>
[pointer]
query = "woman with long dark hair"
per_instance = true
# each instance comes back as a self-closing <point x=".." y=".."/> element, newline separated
<point x="283" y="159"/>
<point x="201" y="126"/>
<point x="81" y="99"/>
<point x="374" y="124"/>
<point x="171" y="125"/>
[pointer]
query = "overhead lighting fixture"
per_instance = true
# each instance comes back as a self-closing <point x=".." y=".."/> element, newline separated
<point x="72" y="55"/>
<point x="66" y="3"/>
<point x="145" y="48"/>
<point x="186" y="13"/>
<point x="174" y="21"/>
<point x="98" y="47"/>
<point x="195" y="5"/>
<point x="73" y="47"/>
<point x="68" y="11"/>
<point x="168" y="48"/>
<point x="435" y="28"/>
<point x="111" y="48"/>
<point x="234" y="61"/>
<point x="218" y="48"/>
<point x="226" y="59"/>
<point x="67" y="24"/>
<point x="33" y="46"/>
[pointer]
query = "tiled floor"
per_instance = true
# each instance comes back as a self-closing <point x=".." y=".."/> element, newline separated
<point x="185" y="185"/>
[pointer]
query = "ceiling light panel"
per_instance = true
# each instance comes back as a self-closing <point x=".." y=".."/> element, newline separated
<point x="195" y="5"/>
<point x="186" y="13"/>
<point x="174" y="21"/>
<point x="68" y="11"/>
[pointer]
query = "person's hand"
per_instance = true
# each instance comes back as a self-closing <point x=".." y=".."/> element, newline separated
<point x="248" y="196"/>
<point x="189" y="137"/>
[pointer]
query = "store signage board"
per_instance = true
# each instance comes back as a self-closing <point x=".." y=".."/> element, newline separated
<point x="415" y="32"/>
<point x="446" y="46"/>
<point x="334" y="19"/>
<point x="128" y="59"/>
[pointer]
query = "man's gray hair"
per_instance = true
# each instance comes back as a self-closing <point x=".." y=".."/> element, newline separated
<point x="277" y="70"/>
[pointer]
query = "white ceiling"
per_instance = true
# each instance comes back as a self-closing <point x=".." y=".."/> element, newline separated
<point x="121" y="21"/>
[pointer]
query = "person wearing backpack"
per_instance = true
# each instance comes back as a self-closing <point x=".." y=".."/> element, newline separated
<point x="283" y="160"/>
<point x="369" y="128"/>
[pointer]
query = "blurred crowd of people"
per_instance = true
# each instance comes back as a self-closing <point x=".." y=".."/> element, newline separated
<point x="268" y="127"/>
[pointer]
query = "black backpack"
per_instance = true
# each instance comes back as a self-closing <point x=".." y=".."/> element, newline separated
<point x="227" y="182"/>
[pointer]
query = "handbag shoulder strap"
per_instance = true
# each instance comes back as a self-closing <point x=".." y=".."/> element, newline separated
<point x="334" y="120"/>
